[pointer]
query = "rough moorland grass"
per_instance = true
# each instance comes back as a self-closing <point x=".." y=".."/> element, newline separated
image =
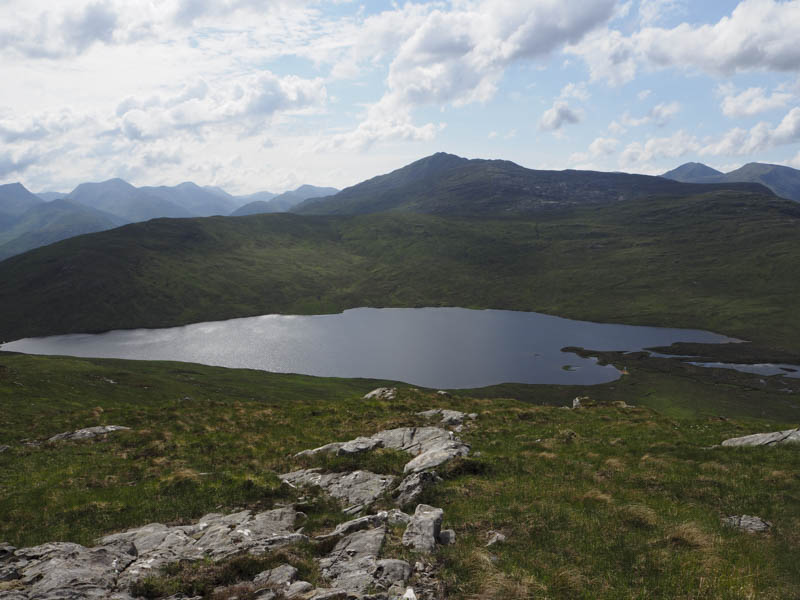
<point x="724" y="261"/>
<point x="608" y="501"/>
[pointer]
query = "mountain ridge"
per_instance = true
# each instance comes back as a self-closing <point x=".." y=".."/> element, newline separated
<point x="782" y="180"/>
<point x="447" y="184"/>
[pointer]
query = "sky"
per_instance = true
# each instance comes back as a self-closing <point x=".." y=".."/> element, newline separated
<point x="255" y="95"/>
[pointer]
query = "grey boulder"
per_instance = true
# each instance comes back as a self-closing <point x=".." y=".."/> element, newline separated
<point x="86" y="433"/>
<point x="775" y="438"/>
<point x="422" y="533"/>
<point x="382" y="393"/>
<point x="747" y="523"/>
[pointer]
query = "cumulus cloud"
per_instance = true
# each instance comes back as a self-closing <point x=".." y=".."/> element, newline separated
<point x="575" y="90"/>
<point x="674" y="146"/>
<point x="659" y="115"/>
<point x="458" y="57"/>
<point x="245" y="102"/>
<point x="759" y="34"/>
<point x="735" y="142"/>
<point x="603" y="146"/>
<point x="654" y="11"/>
<point x="384" y="122"/>
<point x="751" y="101"/>
<point x="555" y="117"/>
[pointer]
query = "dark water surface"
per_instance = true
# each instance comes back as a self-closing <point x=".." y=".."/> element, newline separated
<point x="431" y="347"/>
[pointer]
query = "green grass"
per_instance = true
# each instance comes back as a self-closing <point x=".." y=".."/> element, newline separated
<point x="724" y="262"/>
<point x="608" y="501"/>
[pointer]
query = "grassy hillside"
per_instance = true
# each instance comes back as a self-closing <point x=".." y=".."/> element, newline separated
<point x="448" y="185"/>
<point x="725" y="262"/>
<point x="614" y="500"/>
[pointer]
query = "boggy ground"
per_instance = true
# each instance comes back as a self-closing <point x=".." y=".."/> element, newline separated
<point x="610" y="500"/>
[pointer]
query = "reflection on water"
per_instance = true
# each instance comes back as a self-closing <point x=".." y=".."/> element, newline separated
<point x="431" y="347"/>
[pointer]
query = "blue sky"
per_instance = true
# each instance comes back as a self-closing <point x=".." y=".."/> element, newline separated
<point x="268" y="94"/>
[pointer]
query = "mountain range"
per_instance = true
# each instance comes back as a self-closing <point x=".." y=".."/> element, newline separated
<point x="445" y="184"/>
<point x="783" y="181"/>
<point x="440" y="184"/>
<point x="284" y="202"/>
<point x="30" y="220"/>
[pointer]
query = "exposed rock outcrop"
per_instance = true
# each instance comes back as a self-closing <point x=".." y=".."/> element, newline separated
<point x="353" y="565"/>
<point x="747" y="523"/>
<point x="382" y="393"/>
<point x="86" y="433"/>
<point x="775" y="438"/>
<point x="411" y="488"/>
<point x="449" y="418"/>
<point x="356" y="490"/>
<point x="431" y="446"/>
<point x="422" y="533"/>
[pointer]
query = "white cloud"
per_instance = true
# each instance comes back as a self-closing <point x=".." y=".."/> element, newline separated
<point x="659" y="115"/>
<point x="759" y="34"/>
<point x="654" y="11"/>
<point x="555" y="117"/>
<point x="603" y="146"/>
<point x="575" y="90"/>
<point x="751" y="101"/>
<point x="644" y="94"/>
<point x="459" y="56"/>
<point x="674" y="146"/>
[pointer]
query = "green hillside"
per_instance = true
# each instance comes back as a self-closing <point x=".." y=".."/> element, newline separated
<point x="448" y="185"/>
<point x="724" y="261"/>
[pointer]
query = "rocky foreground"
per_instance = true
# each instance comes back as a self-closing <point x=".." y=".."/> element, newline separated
<point x="356" y="568"/>
<point x="363" y="558"/>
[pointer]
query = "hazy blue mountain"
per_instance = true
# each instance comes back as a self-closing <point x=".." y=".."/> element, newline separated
<point x="694" y="172"/>
<point x="218" y="191"/>
<point x="784" y="181"/>
<point x="50" y="222"/>
<point x="198" y="201"/>
<point x="50" y="196"/>
<point x="445" y="184"/>
<point x="260" y="203"/>
<point x="120" y="198"/>
<point x="15" y="199"/>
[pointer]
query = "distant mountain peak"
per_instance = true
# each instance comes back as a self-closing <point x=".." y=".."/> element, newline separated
<point x="693" y="172"/>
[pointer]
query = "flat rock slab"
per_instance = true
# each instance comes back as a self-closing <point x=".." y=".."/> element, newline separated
<point x="447" y="417"/>
<point x="747" y="523"/>
<point x="436" y="456"/>
<point x="775" y="438"/>
<point x="87" y="433"/>
<point x="353" y="565"/>
<point x="359" y="488"/>
<point x="65" y="571"/>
